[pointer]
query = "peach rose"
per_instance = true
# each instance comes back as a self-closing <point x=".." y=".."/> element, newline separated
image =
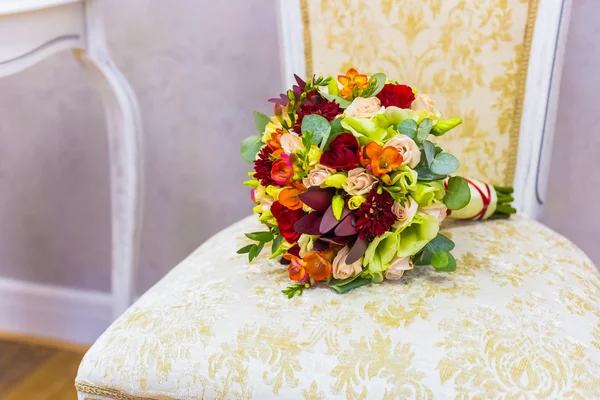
<point x="397" y="268"/>
<point x="407" y="147"/>
<point x="317" y="176"/>
<point x="290" y="143"/>
<point x="341" y="270"/>
<point x="362" y="107"/>
<point x="359" y="182"/>
<point x="437" y="210"/>
<point x="423" y="102"/>
<point x="405" y="213"/>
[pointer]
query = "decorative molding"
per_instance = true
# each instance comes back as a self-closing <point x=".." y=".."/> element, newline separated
<point x="64" y="314"/>
<point x="539" y="108"/>
<point x="291" y="40"/>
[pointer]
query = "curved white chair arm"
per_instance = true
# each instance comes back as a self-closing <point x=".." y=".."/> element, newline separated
<point x="31" y="30"/>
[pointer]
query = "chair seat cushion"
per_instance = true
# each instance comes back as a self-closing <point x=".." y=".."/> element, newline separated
<point x="520" y="318"/>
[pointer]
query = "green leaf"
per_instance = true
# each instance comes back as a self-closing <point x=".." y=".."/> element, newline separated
<point x="337" y="205"/>
<point x="348" y="284"/>
<point x="245" y="249"/>
<point x="341" y="101"/>
<point x="336" y="126"/>
<point x="458" y="194"/>
<point x="255" y="251"/>
<point x="260" y="236"/>
<point x="380" y="80"/>
<point x="319" y="126"/>
<point x="424" y="173"/>
<point x="437" y="244"/>
<point x="408" y="127"/>
<point x="429" y="149"/>
<point x="444" y="164"/>
<point x="424" y="129"/>
<point x="443" y="261"/>
<point x="276" y="243"/>
<point x="261" y="121"/>
<point x="250" y="147"/>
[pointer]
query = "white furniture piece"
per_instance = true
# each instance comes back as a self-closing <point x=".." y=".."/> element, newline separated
<point x="518" y="319"/>
<point x="31" y="30"/>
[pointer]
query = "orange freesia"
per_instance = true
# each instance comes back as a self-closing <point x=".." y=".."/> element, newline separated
<point x="318" y="265"/>
<point x="380" y="160"/>
<point x="296" y="269"/>
<point x="274" y="142"/>
<point x="351" y="80"/>
<point x="282" y="170"/>
<point x="289" y="198"/>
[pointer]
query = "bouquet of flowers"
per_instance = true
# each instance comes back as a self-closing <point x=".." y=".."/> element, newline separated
<point x="351" y="186"/>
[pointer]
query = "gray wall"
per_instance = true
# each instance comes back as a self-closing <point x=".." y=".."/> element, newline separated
<point x="200" y="69"/>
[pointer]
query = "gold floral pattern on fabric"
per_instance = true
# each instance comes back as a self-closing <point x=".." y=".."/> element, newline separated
<point x="519" y="317"/>
<point x="471" y="55"/>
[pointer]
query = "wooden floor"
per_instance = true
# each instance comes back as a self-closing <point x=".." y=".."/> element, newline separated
<point x="32" y="369"/>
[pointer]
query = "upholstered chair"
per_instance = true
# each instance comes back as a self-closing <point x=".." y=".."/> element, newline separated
<point x="520" y="317"/>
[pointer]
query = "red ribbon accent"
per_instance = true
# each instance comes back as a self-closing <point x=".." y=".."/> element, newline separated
<point x="485" y="199"/>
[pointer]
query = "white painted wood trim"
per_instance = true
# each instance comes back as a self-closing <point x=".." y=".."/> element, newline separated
<point x="125" y="146"/>
<point x="291" y="41"/>
<point x="53" y="312"/>
<point x="539" y="107"/>
<point x="19" y="6"/>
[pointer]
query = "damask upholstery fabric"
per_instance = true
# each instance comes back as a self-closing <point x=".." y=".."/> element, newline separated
<point x="471" y="55"/>
<point x="520" y="318"/>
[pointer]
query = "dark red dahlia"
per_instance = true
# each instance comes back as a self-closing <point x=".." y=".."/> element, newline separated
<point x="396" y="95"/>
<point x="316" y="104"/>
<point x="263" y="166"/>
<point x="375" y="216"/>
<point x="343" y="153"/>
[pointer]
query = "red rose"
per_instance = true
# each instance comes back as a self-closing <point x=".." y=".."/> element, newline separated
<point x="396" y="95"/>
<point x="286" y="219"/>
<point x="343" y="153"/>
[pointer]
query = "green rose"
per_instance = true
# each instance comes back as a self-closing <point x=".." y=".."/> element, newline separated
<point x="421" y="231"/>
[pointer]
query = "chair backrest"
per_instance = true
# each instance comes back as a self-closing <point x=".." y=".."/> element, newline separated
<point x="495" y="63"/>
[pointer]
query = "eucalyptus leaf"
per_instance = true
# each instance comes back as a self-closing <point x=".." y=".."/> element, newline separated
<point x="458" y="193"/>
<point x="408" y="127"/>
<point x="424" y="173"/>
<point x="261" y="121"/>
<point x="440" y="259"/>
<point x="424" y="129"/>
<point x="319" y="127"/>
<point x="250" y="147"/>
<point x="437" y="244"/>
<point x="444" y="164"/>
<point x="429" y="149"/>
<point x="341" y="101"/>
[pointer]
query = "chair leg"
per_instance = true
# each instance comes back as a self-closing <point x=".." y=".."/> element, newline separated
<point x="125" y="147"/>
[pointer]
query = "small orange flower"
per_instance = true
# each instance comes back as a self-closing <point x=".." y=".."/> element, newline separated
<point x="318" y="265"/>
<point x="282" y="170"/>
<point x="274" y="142"/>
<point x="380" y="160"/>
<point x="351" y="80"/>
<point x="296" y="269"/>
<point x="289" y="198"/>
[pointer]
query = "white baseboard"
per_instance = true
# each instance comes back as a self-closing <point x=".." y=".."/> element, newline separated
<point x="53" y="312"/>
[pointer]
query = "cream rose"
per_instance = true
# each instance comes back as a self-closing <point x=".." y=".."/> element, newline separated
<point x="362" y="107"/>
<point x="359" y="182"/>
<point x="437" y="210"/>
<point x="406" y="212"/>
<point x="407" y="147"/>
<point x="423" y="102"/>
<point x="341" y="270"/>
<point x="397" y="268"/>
<point x="317" y="176"/>
<point x="290" y="143"/>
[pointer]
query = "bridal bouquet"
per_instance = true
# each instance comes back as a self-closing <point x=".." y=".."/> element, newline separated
<point x="351" y="186"/>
